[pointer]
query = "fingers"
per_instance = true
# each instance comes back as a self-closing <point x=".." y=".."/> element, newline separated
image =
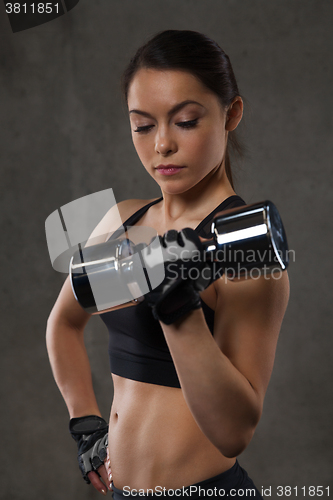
<point x="96" y="482"/>
<point x="170" y="236"/>
<point x="104" y="473"/>
<point x="103" y="481"/>
<point x="107" y="465"/>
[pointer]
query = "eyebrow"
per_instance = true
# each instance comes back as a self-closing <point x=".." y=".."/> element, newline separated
<point x="172" y="111"/>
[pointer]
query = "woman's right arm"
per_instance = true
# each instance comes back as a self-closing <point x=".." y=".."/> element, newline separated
<point x="68" y="355"/>
<point x="65" y="328"/>
<point x="70" y="364"/>
<point x="65" y="338"/>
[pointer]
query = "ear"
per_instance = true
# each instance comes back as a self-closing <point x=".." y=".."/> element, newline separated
<point x="234" y="114"/>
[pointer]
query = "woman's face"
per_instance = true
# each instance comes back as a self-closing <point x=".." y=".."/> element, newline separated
<point x="177" y="122"/>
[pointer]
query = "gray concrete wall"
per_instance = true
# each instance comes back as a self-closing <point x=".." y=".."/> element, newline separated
<point x="64" y="134"/>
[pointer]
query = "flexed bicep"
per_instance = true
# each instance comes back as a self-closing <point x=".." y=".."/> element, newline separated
<point x="248" y="320"/>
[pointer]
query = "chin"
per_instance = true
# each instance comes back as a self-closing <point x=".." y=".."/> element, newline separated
<point x="174" y="187"/>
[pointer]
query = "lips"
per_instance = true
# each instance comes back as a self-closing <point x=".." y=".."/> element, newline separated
<point x="169" y="169"/>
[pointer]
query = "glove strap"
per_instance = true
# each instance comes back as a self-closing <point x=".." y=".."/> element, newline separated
<point x="86" y="425"/>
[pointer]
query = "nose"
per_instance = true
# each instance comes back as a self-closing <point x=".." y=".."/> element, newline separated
<point x="165" y="145"/>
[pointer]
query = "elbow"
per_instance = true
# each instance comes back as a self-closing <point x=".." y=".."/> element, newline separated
<point x="53" y="331"/>
<point x="49" y="334"/>
<point x="50" y="324"/>
<point x="233" y="447"/>
<point x="50" y="320"/>
<point x="239" y="438"/>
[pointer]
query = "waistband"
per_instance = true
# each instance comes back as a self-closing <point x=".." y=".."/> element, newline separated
<point x="231" y="478"/>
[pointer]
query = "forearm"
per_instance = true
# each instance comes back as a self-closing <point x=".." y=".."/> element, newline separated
<point x="71" y="368"/>
<point x="221" y="399"/>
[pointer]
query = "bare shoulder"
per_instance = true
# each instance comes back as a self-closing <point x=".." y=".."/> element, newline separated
<point x="114" y="219"/>
<point x="128" y="207"/>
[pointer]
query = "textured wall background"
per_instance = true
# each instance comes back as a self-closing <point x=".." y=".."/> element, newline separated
<point x="64" y="134"/>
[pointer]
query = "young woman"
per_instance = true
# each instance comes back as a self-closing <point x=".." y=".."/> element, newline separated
<point x="187" y="395"/>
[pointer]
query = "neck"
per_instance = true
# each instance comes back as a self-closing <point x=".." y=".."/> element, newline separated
<point x="201" y="198"/>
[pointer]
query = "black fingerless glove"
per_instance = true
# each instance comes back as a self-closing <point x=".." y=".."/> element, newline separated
<point x="91" y="436"/>
<point x="186" y="274"/>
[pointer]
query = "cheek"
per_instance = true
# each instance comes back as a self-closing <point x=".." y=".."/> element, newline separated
<point x="207" y="147"/>
<point x="142" y="147"/>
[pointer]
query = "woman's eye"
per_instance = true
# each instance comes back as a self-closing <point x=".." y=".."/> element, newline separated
<point x="143" y="128"/>
<point x="188" y="124"/>
<point x="185" y="124"/>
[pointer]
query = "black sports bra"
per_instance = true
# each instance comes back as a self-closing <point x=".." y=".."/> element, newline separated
<point x="137" y="346"/>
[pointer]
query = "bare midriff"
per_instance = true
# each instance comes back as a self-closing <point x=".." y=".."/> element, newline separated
<point x="155" y="441"/>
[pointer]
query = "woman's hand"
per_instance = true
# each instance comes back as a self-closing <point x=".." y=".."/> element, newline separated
<point x="91" y="435"/>
<point x="186" y="274"/>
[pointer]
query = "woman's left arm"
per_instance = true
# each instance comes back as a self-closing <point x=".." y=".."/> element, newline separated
<point x="224" y="378"/>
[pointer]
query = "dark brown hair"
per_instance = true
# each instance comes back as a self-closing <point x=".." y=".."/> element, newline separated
<point x="198" y="54"/>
